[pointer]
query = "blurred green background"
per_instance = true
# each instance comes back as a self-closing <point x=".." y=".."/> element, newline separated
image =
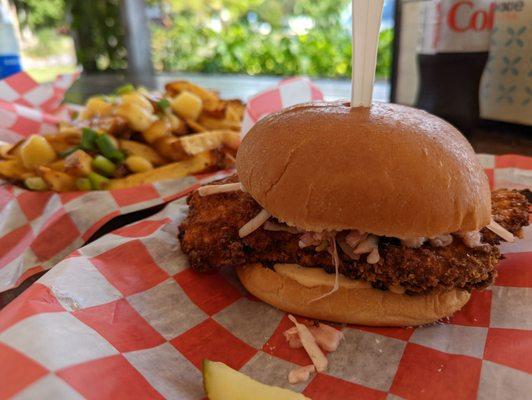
<point x="272" y="37"/>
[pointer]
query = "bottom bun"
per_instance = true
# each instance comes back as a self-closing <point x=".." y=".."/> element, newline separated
<point x="364" y="306"/>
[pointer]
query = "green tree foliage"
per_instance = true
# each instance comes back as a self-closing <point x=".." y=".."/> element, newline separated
<point x="98" y="34"/>
<point x="39" y="14"/>
<point x="256" y="37"/>
<point x="236" y="36"/>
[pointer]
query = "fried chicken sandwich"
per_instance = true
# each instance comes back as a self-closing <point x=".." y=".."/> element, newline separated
<point x="375" y="216"/>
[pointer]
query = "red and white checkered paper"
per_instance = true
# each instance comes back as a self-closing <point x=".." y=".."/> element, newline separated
<point x="124" y="317"/>
<point x="287" y="93"/>
<point x="37" y="229"/>
<point x="28" y="107"/>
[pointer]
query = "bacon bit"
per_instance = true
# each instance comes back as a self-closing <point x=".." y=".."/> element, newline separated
<point x="292" y="337"/>
<point x="326" y="336"/>
<point x="311" y="347"/>
<point x="336" y="262"/>
<point x="499" y="230"/>
<point x="274" y="227"/>
<point x="300" y="374"/>
<point x="254" y="224"/>
<point x="213" y="189"/>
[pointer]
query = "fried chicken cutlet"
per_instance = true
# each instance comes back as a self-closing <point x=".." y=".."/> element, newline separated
<point x="209" y="236"/>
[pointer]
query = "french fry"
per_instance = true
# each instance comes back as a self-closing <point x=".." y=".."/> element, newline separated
<point x="195" y="126"/>
<point x="137" y="98"/>
<point x="14" y="170"/>
<point x="66" y="128"/>
<point x="64" y="140"/>
<point x="4" y="150"/>
<point x="97" y="106"/>
<point x="170" y="147"/>
<point x="137" y="117"/>
<point x="212" y="104"/>
<point x="158" y="129"/>
<point x="132" y="148"/>
<point x="56" y="180"/>
<point x="234" y="110"/>
<point x="78" y="164"/>
<point x="176" y="170"/>
<point x="71" y="137"/>
<point x="14" y="152"/>
<point x="200" y="142"/>
<point x="212" y="124"/>
<point x="57" y="165"/>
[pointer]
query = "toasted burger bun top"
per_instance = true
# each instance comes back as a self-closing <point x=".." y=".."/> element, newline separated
<point x="364" y="306"/>
<point x="390" y="170"/>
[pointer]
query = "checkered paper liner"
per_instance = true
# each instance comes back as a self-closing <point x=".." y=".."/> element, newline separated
<point x="287" y="93"/>
<point x="124" y="317"/>
<point x="28" y="108"/>
<point x="37" y="230"/>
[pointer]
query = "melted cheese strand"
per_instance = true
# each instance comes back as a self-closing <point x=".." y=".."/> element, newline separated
<point x="254" y="224"/>
<point x="213" y="189"/>
<point x="336" y="262"/>
<point x="311" y="347"/>
<point x="500" y="231"/>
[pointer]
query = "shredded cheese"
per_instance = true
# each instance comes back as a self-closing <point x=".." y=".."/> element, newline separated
<point x="499" y="230"/>
<point x="292" y="337"/>
<point x="213" y="189"/>
<point x="367" y="245"/>
<point x="326" y="336"/>
<point x="311" y="347"/>
<point x="300" y="374"/>
<point x="254" y="224"/>
<point x="336" y="262"/>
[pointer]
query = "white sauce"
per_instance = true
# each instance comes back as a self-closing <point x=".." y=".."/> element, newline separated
<point x="312" y="277"/>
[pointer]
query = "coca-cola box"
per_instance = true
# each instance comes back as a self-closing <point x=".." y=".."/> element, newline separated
<point x="462" y="59"/>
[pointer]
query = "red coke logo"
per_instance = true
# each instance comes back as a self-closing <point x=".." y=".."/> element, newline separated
<point x="475" y="20"/>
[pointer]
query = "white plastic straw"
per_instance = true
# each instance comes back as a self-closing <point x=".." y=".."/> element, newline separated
<point x="366" y="22"/>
